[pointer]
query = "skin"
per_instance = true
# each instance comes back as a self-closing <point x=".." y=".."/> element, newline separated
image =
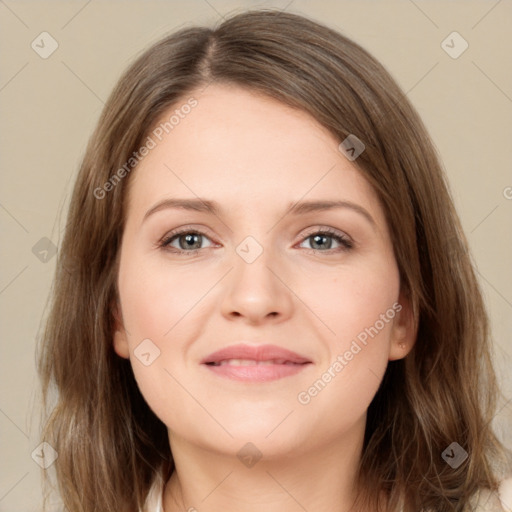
<point x="255" y="156"/>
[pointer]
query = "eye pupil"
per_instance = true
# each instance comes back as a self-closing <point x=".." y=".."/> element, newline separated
<point x="317" y="239"/>
<point x="189" y="241"/>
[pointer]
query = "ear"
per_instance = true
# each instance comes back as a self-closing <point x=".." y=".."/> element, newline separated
<point x="404" y="331"/>
<point x="120" y="338"/>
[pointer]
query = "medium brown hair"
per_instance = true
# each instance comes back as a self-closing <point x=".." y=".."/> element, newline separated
<point x="110" y="443"/>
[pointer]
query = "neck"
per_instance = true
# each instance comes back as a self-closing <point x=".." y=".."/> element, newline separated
<point x="207" y="481"/>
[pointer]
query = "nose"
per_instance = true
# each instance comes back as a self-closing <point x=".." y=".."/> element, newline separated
<point x="257" y="291"/>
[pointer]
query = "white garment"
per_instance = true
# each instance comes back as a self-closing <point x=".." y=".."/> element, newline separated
<point x="492" y="502"/>
<point x="154" y="501"/>
<point x="485" y="500"/>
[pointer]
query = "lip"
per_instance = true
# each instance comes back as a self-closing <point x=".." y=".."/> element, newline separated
<point x="279" y="362"/>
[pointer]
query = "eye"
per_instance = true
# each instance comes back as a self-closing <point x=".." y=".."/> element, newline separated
<point x="321" y="240"/>
<point x="189" y="241"/>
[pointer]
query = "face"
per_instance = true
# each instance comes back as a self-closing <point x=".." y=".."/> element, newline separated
<point x="256" y="261"/>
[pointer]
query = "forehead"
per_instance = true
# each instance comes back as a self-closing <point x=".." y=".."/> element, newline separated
<point x="242" y="147"/>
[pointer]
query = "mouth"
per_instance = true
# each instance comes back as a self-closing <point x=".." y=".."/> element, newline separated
<point x="251" y="362"/>
<point x="255" y="363"/>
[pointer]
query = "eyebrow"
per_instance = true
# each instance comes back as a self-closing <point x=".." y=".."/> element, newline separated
<point x="298" y="208"/>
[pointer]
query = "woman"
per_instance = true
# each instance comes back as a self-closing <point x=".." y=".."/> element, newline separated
<point x="264" y="299"/>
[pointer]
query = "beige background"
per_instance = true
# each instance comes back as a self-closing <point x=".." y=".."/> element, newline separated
<point x="50" y="106"/>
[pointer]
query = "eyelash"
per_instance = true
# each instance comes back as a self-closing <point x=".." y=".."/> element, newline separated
<point x="344" y="241"/>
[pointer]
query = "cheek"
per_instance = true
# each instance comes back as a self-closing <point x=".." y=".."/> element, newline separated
<point x="359" y="307"/>
<point x="159" y="305"/>
<point x="155" y="298"/>
<point x="351" y="298"/>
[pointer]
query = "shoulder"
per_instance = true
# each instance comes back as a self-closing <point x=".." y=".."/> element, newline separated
<point x="489" y="501"/>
